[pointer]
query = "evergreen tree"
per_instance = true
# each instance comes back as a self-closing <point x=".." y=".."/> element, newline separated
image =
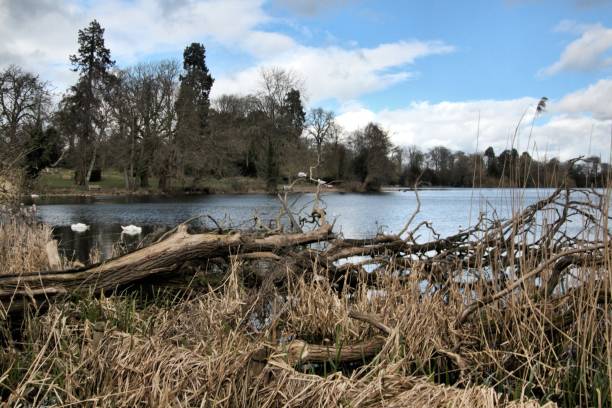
<point x="45" y="148"/>
<point x="294" y="113"/>
<point x="93" y="63"/>
<point x="192" y="108"/>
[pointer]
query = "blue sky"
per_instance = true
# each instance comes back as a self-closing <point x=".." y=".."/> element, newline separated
<point x="425" y="70"/>
<point x="500" y="46"/>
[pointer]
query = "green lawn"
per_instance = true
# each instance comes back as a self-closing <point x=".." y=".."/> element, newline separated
<point x="230" y="185"/>
<point x="62" y="181"/>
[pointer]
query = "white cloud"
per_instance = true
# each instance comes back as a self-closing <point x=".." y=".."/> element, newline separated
<point x="340" y="73"/>
<point x="594" y="100"/>
<point x="268" y="44"/>
<point x="587" y="53"/>
<point x="453" y="124"/>
<point x="311" y="7"/>
<point x="564" y="131"/>
<point x="40" y="35"/>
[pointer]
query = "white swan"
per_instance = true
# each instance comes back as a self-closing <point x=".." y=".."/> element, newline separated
<point x="79" y="227"/>
<point x="131" y="230"/>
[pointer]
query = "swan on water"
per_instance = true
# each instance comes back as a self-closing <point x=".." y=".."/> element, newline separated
<point x="79" y="227"/>
<point x="131" y="230"/>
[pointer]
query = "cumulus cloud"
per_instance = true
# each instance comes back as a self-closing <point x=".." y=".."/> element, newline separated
<point x="452" y="124"/>
<point x="41" y="34"/>
<point x="593" y="100"/>
<point x="311" y="7"/>
<point x="564" y="131"/>
<point x="339" y="73"/>
<point x="589" y="52"/>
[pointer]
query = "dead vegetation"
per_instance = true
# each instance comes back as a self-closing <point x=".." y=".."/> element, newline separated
<point x="509" y="312"/>
<point x="207" y="351"/>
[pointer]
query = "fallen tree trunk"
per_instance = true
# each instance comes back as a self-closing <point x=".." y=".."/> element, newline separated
<point x="162" y="257"/>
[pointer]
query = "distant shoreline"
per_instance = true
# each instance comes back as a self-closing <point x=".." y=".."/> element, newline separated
<point x="75" y="193"/>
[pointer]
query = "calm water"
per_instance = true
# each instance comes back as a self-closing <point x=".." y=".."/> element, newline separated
<point x="356" y="215"/>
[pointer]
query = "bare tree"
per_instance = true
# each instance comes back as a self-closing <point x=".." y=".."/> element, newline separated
<point x="279" y="100"/>
<point x="143" y="120"/>
<point x="24" y="99"/>
<point x="320" y="126"/>
<point x="275" y="85"/>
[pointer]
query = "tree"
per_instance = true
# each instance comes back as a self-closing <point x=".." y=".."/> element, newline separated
<point x="24" y="110"/>
<point x="593" y="172"/>
<point x="462" y="170"/>
<point x="415" y="160"/>
<point x="292" y="150"/>
<point x="93" y="63"/>
<point x="371" y="163"/>
<point x="320" y="126"/>
<point x="293" y="113"/>
<point x="507" y="162"/>
<point x="44" y="150"/>
<point x="143" y="111"/>
<point x="234" y="122"/>
<point x="280" y="104"/>
<point x="440" y="161"/>
<point x="525" y="168"/>
<point x="192" y="107"/>
<point x="491" y="162"/>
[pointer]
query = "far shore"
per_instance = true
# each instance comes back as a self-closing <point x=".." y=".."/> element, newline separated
<point x="80" y="192"/>
<point x="303" y="189"/>
<point x="60" y="183"/>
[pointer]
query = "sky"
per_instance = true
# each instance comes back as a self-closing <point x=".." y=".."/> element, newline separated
<point x="462" y="74"/>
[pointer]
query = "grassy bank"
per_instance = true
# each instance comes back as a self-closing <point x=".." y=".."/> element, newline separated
<point x="61" y="182"/>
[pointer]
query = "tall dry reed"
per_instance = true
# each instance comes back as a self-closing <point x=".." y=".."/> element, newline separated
<point x="23" y="246"/>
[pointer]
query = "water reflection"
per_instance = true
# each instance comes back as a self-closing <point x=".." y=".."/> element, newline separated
<point x="99" y="237"/>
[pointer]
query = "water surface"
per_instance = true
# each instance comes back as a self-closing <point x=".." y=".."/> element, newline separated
<point x="355" y="215"/>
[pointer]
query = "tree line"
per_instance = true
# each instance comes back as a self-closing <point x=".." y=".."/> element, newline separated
<point x="156" y="121"/>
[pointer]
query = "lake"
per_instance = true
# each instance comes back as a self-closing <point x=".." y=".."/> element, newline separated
<point x="355" y="215"/>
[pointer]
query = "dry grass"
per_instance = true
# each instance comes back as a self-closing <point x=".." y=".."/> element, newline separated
<point x="204" y="351"/>
<point x="22" y="246"/>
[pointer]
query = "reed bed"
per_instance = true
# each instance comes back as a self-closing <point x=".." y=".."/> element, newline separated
<point x="23" y="246"/>
<point x="204" y="351"/>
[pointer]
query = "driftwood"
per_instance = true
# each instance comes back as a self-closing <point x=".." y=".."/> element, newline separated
<point x="300" y="352"/>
